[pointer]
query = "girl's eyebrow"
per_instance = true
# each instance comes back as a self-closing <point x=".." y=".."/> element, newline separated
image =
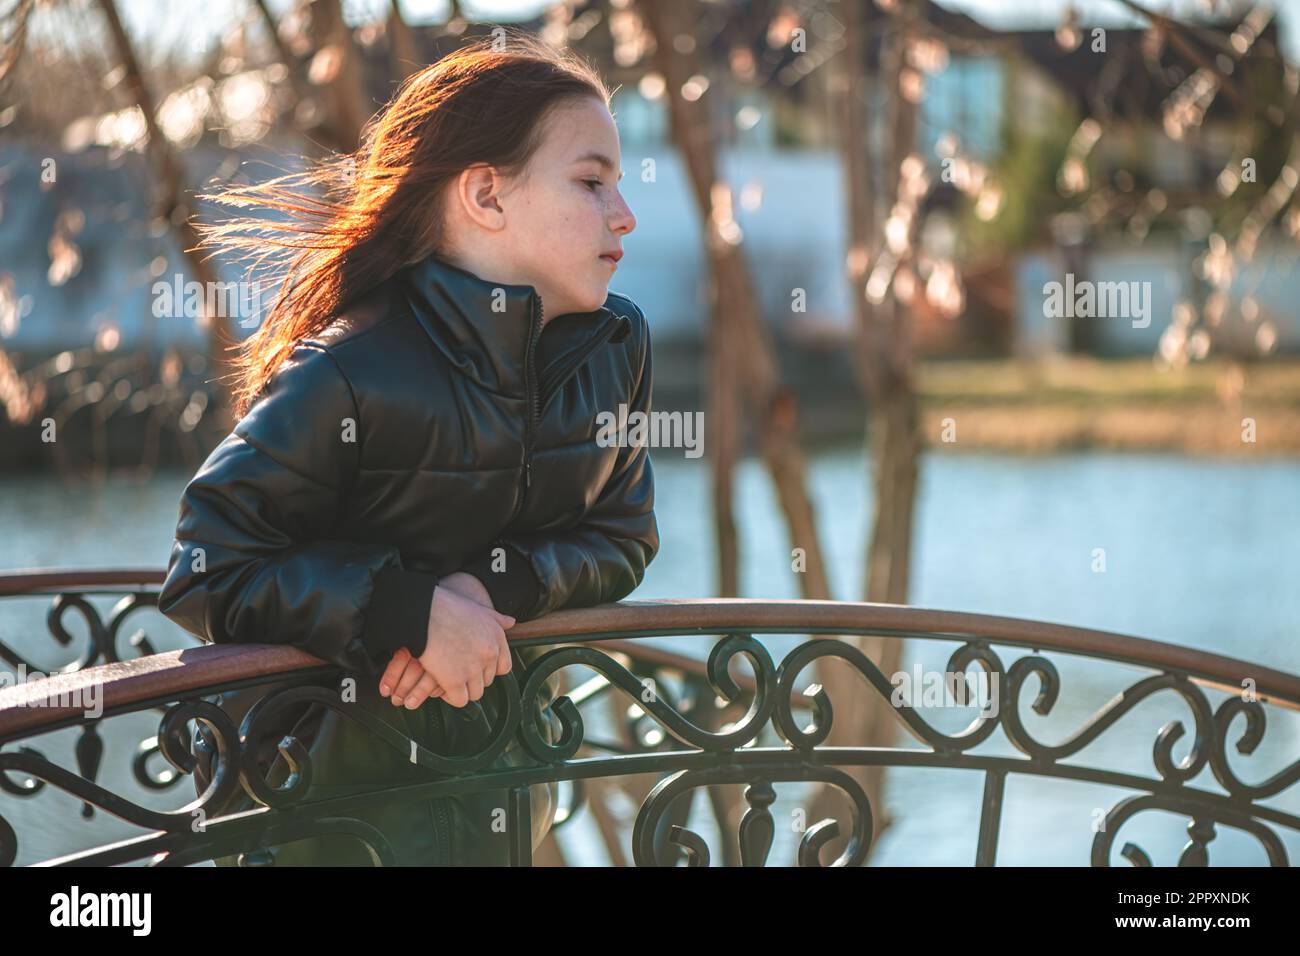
<point x="604" y="161"/>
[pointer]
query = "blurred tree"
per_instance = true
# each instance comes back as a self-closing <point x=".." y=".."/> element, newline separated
<point x="741" y="358"/>
<point x="173" y="207"/>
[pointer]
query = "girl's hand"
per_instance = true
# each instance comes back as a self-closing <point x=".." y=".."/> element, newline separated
<point x="402" y="676"/>
<point x="466" y="649"/>
<point x="404" y="681"/>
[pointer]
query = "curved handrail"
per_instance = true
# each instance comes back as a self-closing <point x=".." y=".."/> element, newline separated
<point x="131" y="682"/>
<point x="717" y="750"/>
<point x="54" y="580"/>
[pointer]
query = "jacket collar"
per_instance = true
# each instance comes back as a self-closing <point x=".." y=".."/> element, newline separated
<point x="483" y="327"/>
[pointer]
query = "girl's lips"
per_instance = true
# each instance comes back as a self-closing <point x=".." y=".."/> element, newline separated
<point x="611" y="260"/>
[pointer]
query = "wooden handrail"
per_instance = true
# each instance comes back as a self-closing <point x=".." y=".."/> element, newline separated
<point x="54" y="580"/>
<point x="178" y="672"/>
<point x="710" y="616"/>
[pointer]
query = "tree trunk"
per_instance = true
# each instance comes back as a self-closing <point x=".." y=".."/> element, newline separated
<point x="340" y="74"/>
<point x="724" y="427"/>
<point x="737" y="321"/>
<point x="172" y="205"/>
<point x="302" y="92"/>
<point x="405" y="52"/>
<point x="741" y="349"/>
<point x="864" y="718"/>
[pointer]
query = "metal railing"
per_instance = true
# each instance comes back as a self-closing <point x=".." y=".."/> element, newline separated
<point x="691" y="722"/>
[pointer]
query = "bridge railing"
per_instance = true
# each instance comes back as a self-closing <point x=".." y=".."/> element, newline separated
<point x="731" y="715"/>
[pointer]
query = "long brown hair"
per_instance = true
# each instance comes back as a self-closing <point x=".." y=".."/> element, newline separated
<point x="351" y="221"/>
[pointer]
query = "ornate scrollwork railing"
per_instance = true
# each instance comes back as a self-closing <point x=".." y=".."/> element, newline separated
<point x="694" y="724"/>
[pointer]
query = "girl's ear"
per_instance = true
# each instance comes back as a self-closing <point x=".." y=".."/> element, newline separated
<point x="477" y="191"/>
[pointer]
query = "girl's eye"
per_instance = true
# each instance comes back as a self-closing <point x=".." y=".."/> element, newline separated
<point x="592" y="182"/>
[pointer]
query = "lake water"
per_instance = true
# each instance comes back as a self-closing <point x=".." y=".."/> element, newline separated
<point x="1198" y="553"/>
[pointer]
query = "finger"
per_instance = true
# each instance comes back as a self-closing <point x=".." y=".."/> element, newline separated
<point x="457" y="696"/>
<point x="420" y="692"/>
<point x="393" y="671"/>
<point x="506" y="620"/>
<point x="489" y="674"/>
<point x="410" y="677"/>
<point x="504" y="660"/>
<point x="475" y="686"/>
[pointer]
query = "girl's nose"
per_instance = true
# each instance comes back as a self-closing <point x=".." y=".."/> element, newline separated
<point x="623" y="220"/>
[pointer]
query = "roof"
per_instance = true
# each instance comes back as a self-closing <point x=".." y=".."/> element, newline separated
<point x="1133" y="79"/>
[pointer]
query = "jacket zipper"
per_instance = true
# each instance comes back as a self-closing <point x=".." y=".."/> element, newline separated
<point x="530" y="389"/>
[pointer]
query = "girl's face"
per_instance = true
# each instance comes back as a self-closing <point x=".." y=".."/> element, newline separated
<point x="556" y="224"/>
<point x="568" y="215"/>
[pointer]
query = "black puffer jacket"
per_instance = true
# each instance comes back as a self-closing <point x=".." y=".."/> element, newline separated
<point x="434" y="426"/>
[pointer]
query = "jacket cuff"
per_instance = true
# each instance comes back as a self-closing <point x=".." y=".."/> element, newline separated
<point x="515" y="590"/>
<point x="399" y="613"/>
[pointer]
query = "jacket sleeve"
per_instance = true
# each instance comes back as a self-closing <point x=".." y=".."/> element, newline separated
<point x="255" y="559"/>
<point x="604" y="557"/>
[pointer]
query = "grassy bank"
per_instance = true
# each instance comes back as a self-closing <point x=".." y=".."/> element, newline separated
<point x="1074" y="403"/>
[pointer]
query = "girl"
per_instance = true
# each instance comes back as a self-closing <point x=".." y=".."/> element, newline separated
<point x="416" y="466"/>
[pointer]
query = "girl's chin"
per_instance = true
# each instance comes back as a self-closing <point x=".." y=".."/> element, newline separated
<point x="593" y="298"/>
<point x="587" y="298"/>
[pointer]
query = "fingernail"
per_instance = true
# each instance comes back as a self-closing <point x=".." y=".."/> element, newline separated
<point x="397" y="701"/>
<point x="383" y="690"/>
<point x="411" y="704"/>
